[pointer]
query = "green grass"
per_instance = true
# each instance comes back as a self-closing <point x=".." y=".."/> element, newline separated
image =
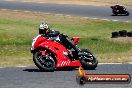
<point x="18" y="30"/>
<point x="103" y="46"/>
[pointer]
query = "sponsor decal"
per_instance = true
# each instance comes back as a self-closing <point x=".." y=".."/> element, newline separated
<point x="83" y="78"/>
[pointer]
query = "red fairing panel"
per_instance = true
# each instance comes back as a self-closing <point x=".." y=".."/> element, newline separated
<point x="59" y="50"/>
<point x="75" y="40"/>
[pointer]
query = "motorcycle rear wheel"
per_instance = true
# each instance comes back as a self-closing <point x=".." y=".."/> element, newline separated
<point x="44" y="63"/>
<point x="89" y="62"/>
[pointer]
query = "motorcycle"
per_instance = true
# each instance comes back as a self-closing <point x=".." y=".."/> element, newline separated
<point x="63" y="52"/>
<point x="119" y="10"/>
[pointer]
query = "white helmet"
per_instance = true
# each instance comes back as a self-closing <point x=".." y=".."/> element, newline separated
<point x="43" y="28"/>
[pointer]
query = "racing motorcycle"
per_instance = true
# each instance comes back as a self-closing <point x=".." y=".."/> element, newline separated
<point x="119" y="10"/>
<point x="62" y="52"/>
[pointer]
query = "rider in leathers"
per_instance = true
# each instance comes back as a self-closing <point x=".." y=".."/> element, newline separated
<point x="46" y="32"/>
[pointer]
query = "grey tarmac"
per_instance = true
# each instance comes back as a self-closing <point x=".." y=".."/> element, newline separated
<point x="32" y="77"/>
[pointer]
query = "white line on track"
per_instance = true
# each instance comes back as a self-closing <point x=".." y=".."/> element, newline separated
<point x="115" y="63"/>
<point x="1" y="67"/>
<point x="21" y="66"/>
<point x="129" y="62"/>
<point x="98" y="64"/>
<point x="16" y="67"/>
<point x="109" y="63"/>
<point x="105" y="19"/>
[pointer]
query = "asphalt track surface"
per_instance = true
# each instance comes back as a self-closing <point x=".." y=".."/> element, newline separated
<point x="101" y="12"/>
<point x="31" y="77"/>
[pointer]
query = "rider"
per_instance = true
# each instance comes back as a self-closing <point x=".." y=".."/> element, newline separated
<point x="119" y="7"/>
<point x="44" y="29"/>
<point x="46" y="32"/>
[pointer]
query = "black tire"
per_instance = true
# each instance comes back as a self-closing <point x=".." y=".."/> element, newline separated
<point x="114" y="13"/>
<point x="115" y="35"/>
<point x="129" y="34"/>
<point x="44" y="63"/>
<point x="123" y="33"/>
<point x="90" y="61"/>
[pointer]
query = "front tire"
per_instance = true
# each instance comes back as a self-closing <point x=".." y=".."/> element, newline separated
<point x="44" y="63"/>
<point x="90" y="61"/>
<point x="114" y="13"/>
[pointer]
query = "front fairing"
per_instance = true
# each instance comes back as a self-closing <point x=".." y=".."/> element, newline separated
<point x="37" y="40"/>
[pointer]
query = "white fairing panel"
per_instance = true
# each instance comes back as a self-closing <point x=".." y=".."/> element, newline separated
<point x="34" y="40"/>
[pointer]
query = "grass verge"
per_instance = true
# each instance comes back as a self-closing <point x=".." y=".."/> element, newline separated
<point x="18" y="28"/>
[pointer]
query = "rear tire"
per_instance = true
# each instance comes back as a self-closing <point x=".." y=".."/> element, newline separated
<point x="123" y="33"/>
<point x="115" y="34"/>
<point x="44" y="63"/>
<point x="129" y="34"/>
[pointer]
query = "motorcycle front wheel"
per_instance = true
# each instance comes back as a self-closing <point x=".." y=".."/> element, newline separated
<point x="89" y="61"/>
<point x="44" y="63"/>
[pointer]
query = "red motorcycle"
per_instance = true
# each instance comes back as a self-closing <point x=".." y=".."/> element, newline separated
<point x="63" y="52"/>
